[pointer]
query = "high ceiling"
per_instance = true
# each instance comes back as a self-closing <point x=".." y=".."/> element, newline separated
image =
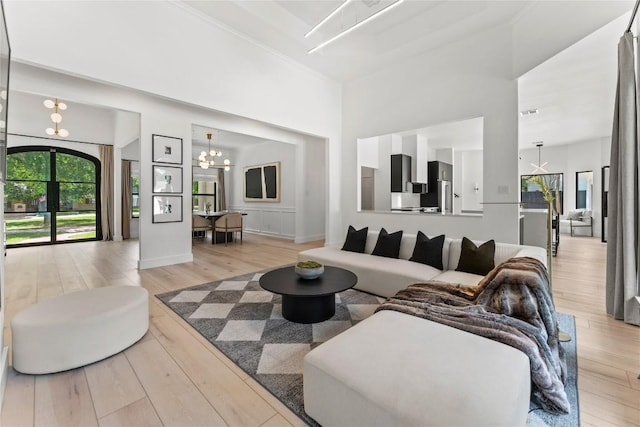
<point x="573" y="91"/>
<point x="411" y="28"/>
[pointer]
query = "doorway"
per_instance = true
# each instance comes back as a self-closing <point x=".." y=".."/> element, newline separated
<point x="51" y="196"/>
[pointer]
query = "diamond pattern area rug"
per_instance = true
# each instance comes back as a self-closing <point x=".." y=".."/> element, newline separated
<point x="245" y="322"/>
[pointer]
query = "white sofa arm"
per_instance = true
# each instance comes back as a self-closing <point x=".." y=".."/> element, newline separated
<point x="534" y="252"/>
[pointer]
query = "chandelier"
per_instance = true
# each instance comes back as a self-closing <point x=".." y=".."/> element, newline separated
<point x="209" y="160"/>
<point x="56" y="118"/>
<point x="539" y="168"/>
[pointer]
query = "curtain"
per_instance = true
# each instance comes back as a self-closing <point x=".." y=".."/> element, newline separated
<point x="622" y="238"/>
<point x="106" y="191"/>
<point x="126" y="199"/>
<point x="221" y="191"/>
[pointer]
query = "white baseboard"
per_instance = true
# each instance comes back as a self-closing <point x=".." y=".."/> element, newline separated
<point x="305" y="239"/>
<point x="4" y="372"/>
<point x="271" y="234"/>
<point x="143" y="264"/>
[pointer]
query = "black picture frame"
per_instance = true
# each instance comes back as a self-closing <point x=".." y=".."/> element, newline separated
<point x="167" y="179"/>
<point x="5" y="66"/>
<point x="166" y="149"/>
<point x="262" y="183"/>
<point x="166" y="209"/>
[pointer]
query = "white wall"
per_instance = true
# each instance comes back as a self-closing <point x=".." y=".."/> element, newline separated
<point x="157" y="117"/>
<point x="590" y="155"/>
<point x="273" y="218"/>
<point x="471" y="78"/>
<point x="300" y="214"/>
<point x="471" y="174"/>
<point x="128" y="43"/>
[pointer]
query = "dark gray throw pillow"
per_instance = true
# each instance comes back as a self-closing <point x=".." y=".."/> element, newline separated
<point x="356" y="240"/>
<point x="388" y="245"/>
<point x="428" y="251"/>
<point x="477" y="259"/>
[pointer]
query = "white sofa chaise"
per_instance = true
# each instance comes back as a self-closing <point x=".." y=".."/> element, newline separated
<point x="400" y="370"/>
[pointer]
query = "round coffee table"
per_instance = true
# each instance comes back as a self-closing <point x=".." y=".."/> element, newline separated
<point x="308" y="301"/>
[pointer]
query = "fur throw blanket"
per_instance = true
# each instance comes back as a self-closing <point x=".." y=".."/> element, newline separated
<point x="511" y="305"/>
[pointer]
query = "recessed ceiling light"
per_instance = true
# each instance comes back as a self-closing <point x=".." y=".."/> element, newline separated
<point x="529" y="112"/>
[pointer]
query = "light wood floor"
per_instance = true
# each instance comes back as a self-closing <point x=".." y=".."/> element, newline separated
<point x="175" y="377"/>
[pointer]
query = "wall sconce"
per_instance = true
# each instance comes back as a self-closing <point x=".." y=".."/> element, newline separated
<point x="475" y="187"/>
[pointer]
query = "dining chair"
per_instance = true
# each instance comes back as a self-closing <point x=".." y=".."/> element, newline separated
<point x="229" y="223"/>
<point x="200" y="224"/>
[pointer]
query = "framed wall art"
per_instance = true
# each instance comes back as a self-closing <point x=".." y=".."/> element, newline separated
<point x="167" y="209"/>
<point x="167" y="179"/>
<point x="262" y="183"/>
<point x="167" y="149"/>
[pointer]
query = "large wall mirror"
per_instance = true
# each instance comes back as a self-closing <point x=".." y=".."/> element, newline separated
<point x="436" y="170"/>
<point x="584" y="190"/>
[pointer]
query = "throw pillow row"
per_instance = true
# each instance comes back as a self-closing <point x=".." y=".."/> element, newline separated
<point x="473" y="259"/>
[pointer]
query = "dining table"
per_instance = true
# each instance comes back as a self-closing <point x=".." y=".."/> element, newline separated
<point x="214" y="216"/>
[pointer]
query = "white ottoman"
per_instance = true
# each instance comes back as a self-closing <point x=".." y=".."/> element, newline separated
<point x="78" y="328"/>
<point x="393" y="369"/>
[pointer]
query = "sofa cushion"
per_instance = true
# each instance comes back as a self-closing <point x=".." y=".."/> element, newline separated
<point x="388" y="244"/>
<point x="356" y="240"/>
<point x="428" y="251"/>
<point x="574" y="214"/>
<point x="377" y="275"/>
<point x="393" y="369"/>
<point x="477" y="259"/>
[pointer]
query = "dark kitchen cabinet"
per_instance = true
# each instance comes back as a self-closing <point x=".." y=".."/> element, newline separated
<point x="400" y="172"/>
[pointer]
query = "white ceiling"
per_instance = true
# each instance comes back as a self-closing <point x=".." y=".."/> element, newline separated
<point x="411" y="28"/>
<point x="574" y="90"/>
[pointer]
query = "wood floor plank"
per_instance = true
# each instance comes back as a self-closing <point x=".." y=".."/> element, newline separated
<point x="113" y="384"/>
<point x="288" y="415"/>
<point x="63" y="399"/>
<point x="140" y="413"/>
<point x="18" y="403"/>
<point x="176" y="399"/>
<point x="610" y="411"/>
<point x="634" y="379"/>
<point x="216" y="382"/>
<point x="276" y="421"/>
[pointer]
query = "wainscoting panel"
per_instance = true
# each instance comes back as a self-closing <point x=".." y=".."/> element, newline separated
<point x="272" y="221"/>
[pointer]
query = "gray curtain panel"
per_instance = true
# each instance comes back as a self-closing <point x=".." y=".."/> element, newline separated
<point x="221" y="191"/>
<point x="622" y="240"/>
<point x="106" y="191"/>
<point x="126" y="199"/>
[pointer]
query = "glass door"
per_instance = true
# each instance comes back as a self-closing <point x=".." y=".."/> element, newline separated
<point x="52" y="196"/>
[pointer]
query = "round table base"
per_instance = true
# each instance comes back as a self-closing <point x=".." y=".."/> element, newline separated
<point x="308" y="309"/>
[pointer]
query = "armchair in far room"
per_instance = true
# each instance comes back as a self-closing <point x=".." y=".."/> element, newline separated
<point x="229" y="223"/>
<point x="579" y="218"/>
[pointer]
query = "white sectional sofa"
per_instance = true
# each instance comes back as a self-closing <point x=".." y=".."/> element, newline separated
<point x="393" y="369"/>
<point x="386" y="276"/>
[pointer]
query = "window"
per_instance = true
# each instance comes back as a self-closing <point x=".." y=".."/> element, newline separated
<point x="204" y="190"/>
<point x="135" y="189"/>
<point x="51" y="196"/>
<point x="531" y="194"/>
<point x="584" y="189"/>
